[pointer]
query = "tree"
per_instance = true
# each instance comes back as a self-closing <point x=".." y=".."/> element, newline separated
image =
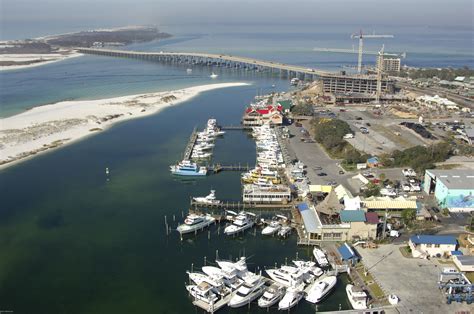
<point x="408" y="215"/>
<point x="372" y="190"/>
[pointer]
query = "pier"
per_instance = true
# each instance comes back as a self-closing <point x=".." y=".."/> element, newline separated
<point x="189" y="147"/>
<point x="216" y="168"/>
<point x="217" y="60"/>
<point x="238" y="205"/>
<point x="236" y="127"/>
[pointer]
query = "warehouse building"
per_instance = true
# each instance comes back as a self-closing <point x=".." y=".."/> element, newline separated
<point x="453" y="189"/>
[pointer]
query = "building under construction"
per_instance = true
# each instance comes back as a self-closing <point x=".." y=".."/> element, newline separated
<point x="365" y="84"/>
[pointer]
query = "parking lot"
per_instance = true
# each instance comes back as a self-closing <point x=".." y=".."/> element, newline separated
<point x="414" y="281"/>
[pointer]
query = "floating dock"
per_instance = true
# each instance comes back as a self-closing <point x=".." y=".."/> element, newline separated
<point x="237" y="205"/>
<point x="215" y="168"/>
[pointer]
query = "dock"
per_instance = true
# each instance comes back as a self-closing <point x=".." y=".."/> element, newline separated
<point x="216" y="168"/>
<point x="236" y="127"/>
<point x="189" y="147"/>
<point x="238" y="205"/>
<point x="211" y="308"/>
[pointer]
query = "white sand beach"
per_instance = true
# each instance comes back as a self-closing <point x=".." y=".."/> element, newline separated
<point x="47" y="127"/>
<point x="34" y="59"/>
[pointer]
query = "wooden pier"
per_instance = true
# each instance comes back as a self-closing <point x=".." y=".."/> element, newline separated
<point x="236" y="127"/>
<point x="215" y="168"/>
<point x="238" y="205"/>
<point x="189" y="147"/>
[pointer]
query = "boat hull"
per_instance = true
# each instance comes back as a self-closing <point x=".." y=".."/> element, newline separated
<point x="184" y="229"/>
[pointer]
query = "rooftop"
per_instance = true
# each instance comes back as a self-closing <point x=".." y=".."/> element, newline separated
<point x="352" y="216"/>
<point x="466" y="260"/>
<point x="310" y="220"/>
<point x="455" y="178"/>
<point x="372" y="218"/>
<point x="346" y="252"/>
<point x="433" y="239"/>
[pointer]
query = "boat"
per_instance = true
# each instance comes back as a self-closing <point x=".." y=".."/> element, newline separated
<point x="209" y="199"/>
<point x="198" y="278"/>
<point x="251" y="289"/>
<point x="286" y="275"/>
<point x="203" y="292"/>
<point x="213" y="75"/>
<point x="241" y="223"/>
<point x="272" y="227"/>
<point x="107" y="171"/>
<point x="284" y="231"/>
<point x="229" y="276"/>
<point x="294" y="81"/>
<point x="393" y="299"/>
<point x="189" y="71"/>
<point x="195" y="222"/>
<point x="292" y="296"/>
<point x="320" y="257"/>
<point x="308" y="266"/>
<point x="240" y="266"/>
<point x="188" y="168"/>
<point x="357" y="297"/>
<point x="271" y="296"/>
<point x="321" y="288"/>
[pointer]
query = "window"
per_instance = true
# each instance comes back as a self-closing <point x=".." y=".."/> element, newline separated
<point x="436" y="245"/>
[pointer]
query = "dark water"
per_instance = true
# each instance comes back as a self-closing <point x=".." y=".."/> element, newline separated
<point x="73" y="242"/>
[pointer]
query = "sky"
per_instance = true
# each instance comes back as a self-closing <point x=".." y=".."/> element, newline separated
<point x="134" y="12"/>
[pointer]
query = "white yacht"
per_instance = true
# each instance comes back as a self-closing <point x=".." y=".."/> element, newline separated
<point x="320" y="257"/>
<point x="250" y="290"/>
<point x="286" y="275"/>
<point x="198" y="278"/>
<point x="271" y="296"/>
<point x="272" y="227"/>
<point x="292" y="296"/>
<point x="189" y="70"/>
<point x="209" y="199"/>
<point x="203" y="292"/>
<point x="284" y="231"/>
<point x="240" y="266"/>
<point x="228" y="277"/>
<point x="241" y="223"/>
<point x="213" y="75"/>
<point x="188" y="168"/>
<point x="357" y="297"/>
<point x="309" y="267"/>
<point x="195" y="222"/>
<point x="321" y="288"/>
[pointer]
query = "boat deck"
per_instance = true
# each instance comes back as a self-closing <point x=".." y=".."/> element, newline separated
<point x="211" y="308"/>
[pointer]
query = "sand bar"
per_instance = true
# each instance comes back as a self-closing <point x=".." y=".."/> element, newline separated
<point x="47" y="127"/>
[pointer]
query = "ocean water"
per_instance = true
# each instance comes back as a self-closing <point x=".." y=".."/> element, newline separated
<point x="72" y="241"/>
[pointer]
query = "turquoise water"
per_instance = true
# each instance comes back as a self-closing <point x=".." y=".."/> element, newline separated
<point x="73" y="242"/>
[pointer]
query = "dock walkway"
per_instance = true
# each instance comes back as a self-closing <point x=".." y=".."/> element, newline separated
<point x="237" y="205"/>
<point x="215" y="168"/>
<point x="189" y="147"/>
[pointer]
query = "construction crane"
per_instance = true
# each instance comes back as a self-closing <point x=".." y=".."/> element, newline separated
<point x="354" y="51"/>
<point x="379" y="75"/>
<point x="361" y="38"/>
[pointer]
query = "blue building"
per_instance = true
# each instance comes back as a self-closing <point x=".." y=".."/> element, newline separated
<point x="453" y="189"/>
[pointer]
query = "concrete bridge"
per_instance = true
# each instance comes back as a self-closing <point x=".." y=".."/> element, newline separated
<point x="220" y="60"/>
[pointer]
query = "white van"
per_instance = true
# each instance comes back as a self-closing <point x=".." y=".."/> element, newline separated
<point x="348" y="136"/>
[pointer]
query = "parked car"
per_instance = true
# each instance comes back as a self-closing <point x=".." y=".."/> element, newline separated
<point x="322" y="174"/>
<point x="341" y="172"/>
<point x="358" y="118"/>
<point x="348" y="136"/>
<point x="318" y="168"/>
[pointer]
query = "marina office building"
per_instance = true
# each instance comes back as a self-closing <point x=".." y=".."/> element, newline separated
<point x="432" y="245"/>
<point x="353" y="225"/>
<point x="453" y="189"/>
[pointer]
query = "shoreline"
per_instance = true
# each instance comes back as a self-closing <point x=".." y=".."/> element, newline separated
<point x="48" y="59"/>
<point x="45" y="128"/>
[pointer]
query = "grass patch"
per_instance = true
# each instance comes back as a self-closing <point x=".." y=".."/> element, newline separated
<point x="445" y="262"/>
<point x="376" y="291"/>
<point x="470" y="276"/>
<point x="406" y="251"/>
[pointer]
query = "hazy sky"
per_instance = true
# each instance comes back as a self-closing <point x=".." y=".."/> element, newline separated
<point x="119" y="12"/>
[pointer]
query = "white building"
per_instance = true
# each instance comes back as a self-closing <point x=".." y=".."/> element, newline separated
<point x="464" y="262"/>
<point x="390" y="64"/>
<point x="432" y="245"/>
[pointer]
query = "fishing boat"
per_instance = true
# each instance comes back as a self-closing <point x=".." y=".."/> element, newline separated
<point x="213" y="75"/>
<point x="320" y="289"/>
<point x="188" y="168"/>
<point x="251" y="289"/>
<point x="209" y="199"/>
<point x="308" y="266"/>
<point x="241" y="223"/>
<point x="203" y="292"/>
<point x="195" y="222"/>
<point x="228" y="276"/>
<point x="286" y="275"/>
<point x="198" y="278"/>
<point x="320" y="257"/>
<point x="292" y="296"/>
<point x="271" y="296"/>
<point x="357" y="297"/>
<point x="284" y="231"/>
<point x="272" y="227"/>
<point x="189" y="71"/>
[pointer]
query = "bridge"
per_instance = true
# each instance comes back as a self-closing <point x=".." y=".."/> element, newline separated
<point x="209" y="59"/>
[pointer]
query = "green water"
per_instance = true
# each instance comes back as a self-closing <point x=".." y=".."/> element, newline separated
<point x="73" y="242"/>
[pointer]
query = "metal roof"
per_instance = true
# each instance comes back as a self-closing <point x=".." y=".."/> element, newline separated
<point x="347" y="253"/>
<point x="458" y="253"/>
<point x="372" y="218"/>
<point x="455" y="178"/>
<point x="310" y="220"/>
<point x="433" y="239"/>
<point x="352" y="216"/>
<point x="386" y="202"/>
<point x="465" y="260"/>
